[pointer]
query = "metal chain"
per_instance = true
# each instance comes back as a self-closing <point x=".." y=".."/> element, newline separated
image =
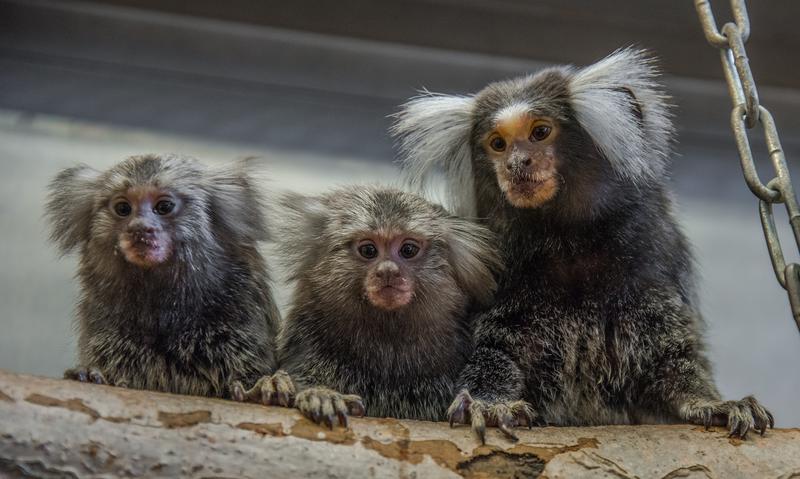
<point x="748" y="113"/>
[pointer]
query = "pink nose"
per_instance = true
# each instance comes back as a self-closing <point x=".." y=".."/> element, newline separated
<point x="516" y="164"/>
<point x="143" y="234"/>
<point x="387" y="270"/>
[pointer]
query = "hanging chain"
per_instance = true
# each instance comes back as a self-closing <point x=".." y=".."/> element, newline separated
<point x="748" y="113"/>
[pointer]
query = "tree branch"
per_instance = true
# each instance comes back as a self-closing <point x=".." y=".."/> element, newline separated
<point x="54" y="428"/>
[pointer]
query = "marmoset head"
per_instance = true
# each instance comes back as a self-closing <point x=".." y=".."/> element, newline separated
<point x="579" y="131"/>
<point x="151" y="211"/>
<point x="385" y="250"/>
<point x="388" y="256"/>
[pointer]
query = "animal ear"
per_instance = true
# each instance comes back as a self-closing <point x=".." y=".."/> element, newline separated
<point x="621" y="105"/>
<point x="237" y="203"/>
<point x="474" y="258"/>
<point x="70" y="206"/>
<point x="433" y="132"/>
<point x="302" y="221"/>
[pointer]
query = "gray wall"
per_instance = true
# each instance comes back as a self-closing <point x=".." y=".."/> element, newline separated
<point x="307" y="88"/>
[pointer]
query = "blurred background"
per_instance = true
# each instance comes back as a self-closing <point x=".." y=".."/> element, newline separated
<point x="307" y="86"/>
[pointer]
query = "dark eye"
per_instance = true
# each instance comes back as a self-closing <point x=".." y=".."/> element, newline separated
<point x="497" y="143"/>
<point x="540" y="132"/>
<point x="164" y="207"/>
<point x="409" y="250"/>
<point x="368" y="251"/>
<point x="123" y="208"/>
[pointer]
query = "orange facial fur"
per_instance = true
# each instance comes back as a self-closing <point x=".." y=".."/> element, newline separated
<point x="522" y="150"/>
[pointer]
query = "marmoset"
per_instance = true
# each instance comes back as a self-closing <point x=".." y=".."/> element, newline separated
<point x="385" y="283"/>
<point x="596" y="319"/>
<point x="175" y="295"/>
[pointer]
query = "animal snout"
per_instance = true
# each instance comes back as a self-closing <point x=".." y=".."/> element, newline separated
<point x="142" y="233"/>
<point x="387" y="271"/>
<point x="522" y="163"/>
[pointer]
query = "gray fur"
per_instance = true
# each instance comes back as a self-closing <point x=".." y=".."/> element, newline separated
<point x="335" y="343"/>
<point x="192" y="325"/>
<point x="595" y="320"/>
<point x="434" y="130"/>
<point x="602" y="95"/>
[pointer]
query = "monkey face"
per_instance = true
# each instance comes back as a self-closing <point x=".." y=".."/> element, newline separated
<point x="390" y="260"/>
<point x="564" y="140"/>
<point x="144" y="216"/>
<point x="521" y="147"/>
<point x="382" y="255"/>
<point x="168" y="212"/>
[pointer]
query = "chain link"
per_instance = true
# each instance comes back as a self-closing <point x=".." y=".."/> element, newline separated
<point x="747" y="114"/>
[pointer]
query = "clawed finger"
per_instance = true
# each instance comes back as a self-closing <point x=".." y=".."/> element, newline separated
<point x="329" y="419"/>
<point x="479" y="426"/>
<point x="478" y="414"/>
<point x="707" y="419"/>
<point x="762" y="417"/>
<point x="96" y="377"/>
<point x="739" y="417"/>
<point x="268" y="392"/>
<point x="329" y="407"/>
<point x="343" y="420"/>
<point x="85" y="375"/>
<point x="740" y="420"/>
<point x="761" y="420"/>
<point x="523" y="414"/>
<point x="282" y="399"/>
<point x="503" y="415"/>
<point x="275" y="390"/>
<point x="242" y="394"/>
<point x="355" y="406"/>
<point x="505" y="427"/>
<point x="283" y="390"/>
<point x="457" y="413"/>
<point x="238" y="392"/>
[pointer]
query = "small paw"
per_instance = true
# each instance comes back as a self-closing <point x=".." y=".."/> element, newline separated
<point x="738" y="416"/>
<point x="122" y="383"/>
<point x="275" y="390"/>
<point x="85" y="375"/>
<point x="326" y="405"/>
<point x="237" y="391"/>
<point x="504" y="415"/>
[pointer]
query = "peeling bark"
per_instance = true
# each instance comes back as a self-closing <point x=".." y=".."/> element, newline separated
<point x="55" y="428"/>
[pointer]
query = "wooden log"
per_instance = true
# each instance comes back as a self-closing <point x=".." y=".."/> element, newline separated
<point x="55" y="428"/>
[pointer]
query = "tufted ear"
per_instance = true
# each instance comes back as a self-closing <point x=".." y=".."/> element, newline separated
<point x="301" y="223"/>
<point x="237" y="204"/>
<point x="621" y="105"/>
<point x="70" y="206"/>
<point x="474" y="258"/>
<point x="433" y="132"/>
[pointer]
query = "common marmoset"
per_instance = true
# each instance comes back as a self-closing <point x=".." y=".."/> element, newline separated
<point x="385" y="282"/>
<point x="596" y="319"/>
<point x="175" y="296"/>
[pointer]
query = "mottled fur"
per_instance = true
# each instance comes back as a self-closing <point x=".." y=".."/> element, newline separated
<point x="194" y="324"/>
<point x="595" y="320"/>
<point x="404" y="363"/>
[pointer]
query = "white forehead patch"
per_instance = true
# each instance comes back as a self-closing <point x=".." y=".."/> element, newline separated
<point x="512" y="112"/>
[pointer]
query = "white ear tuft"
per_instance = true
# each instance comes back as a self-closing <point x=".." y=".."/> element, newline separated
<point x="619" y="102"/>
<point x="433" y="131"/>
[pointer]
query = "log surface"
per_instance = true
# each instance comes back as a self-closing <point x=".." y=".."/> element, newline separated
<point x="55" y="428"/>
